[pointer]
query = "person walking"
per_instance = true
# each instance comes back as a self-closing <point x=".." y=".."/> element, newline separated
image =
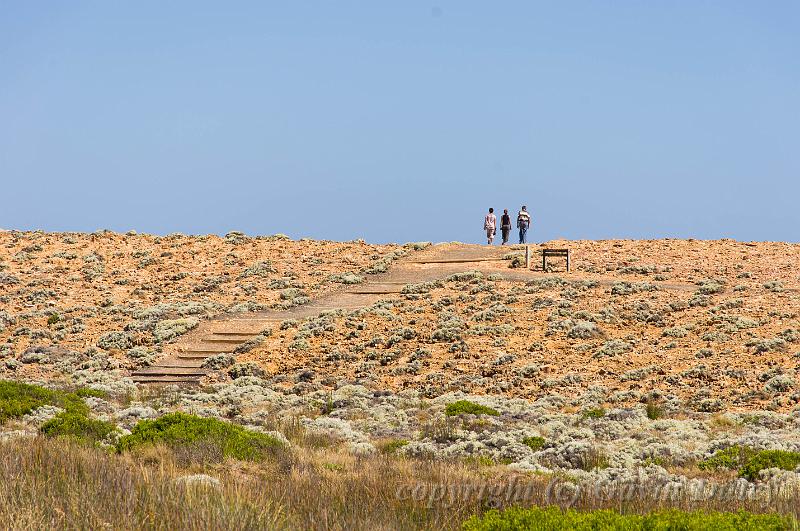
<point x="490" y="225"/>
<point x="505" y="225"/>
<point x="523" y="223"/>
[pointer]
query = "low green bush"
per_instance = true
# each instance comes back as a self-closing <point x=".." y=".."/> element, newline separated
<point x="393" y="446"/>
<point x="18" y="399"/>
<point x="465" y="406"/>
<point x="86" y="392"/>
<point x="594" y="413"/>
<point x="534" y="443"/>
<point x="750" y="462"/>
<point x="77" y="426"/>
<point x="769" y="459"/>
<point x="654" y="411"/>
<point x="178" y="430"/>
<point x="553" y="518"/>
<point x="732" y="458"/>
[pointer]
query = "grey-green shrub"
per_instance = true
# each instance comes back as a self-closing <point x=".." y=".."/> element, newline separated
<point x="172" y="328"/>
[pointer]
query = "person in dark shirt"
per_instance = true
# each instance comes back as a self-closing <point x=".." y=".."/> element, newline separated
<point x="505" y="225"/>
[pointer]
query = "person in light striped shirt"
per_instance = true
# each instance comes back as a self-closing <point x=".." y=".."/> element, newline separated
<point x="490" y="225"/>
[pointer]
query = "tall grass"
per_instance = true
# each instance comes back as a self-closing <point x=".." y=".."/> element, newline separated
<point x="60" y="483"/>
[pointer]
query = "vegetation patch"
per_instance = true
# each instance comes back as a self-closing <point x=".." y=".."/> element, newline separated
<point x="179" y="430"/>
<point x="86" y="392"/>
<point x="517" y="261"/>
<point x="170" y="329"/>
<point x="553" y="518"/>
<point x="749" y="462"/>
<point x="731" y="458"/>
<point x="77" y="426"/>
<point x="18" y="399"/>
<point x="392" y="446"/>
<point x="585" y="330"/>
<point x="594" y="413"/>
<point x="460" y="407"/>
<point x="614" y="347"/>
<point x="653" y="410"/>
<point x="115" y="341"/>
<point x="710" y="286"/>
<point x="628" y="288"/>
<point x="534" y="443"/>
<point x="259" y="269"/>
<point x="423" y="287"/>
<point x="769" y="459"/>
<point x="347" y="278"/>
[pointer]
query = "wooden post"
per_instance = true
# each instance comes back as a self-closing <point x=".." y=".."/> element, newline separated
<point x="567" y="260"/>
<point x="527" y="257"/>
<point x="544" y="261"/>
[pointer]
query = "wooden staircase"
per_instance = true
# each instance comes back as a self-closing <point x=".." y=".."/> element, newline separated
<point x="185" y="365"/>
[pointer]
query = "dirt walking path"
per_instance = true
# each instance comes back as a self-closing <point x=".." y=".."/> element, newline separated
<point x="183" y="364"/>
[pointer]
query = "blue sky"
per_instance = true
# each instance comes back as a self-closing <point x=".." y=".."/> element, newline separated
<point x="399" y="121"/>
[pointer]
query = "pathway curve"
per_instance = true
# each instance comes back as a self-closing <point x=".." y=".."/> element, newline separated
<point x="183" y="363"/>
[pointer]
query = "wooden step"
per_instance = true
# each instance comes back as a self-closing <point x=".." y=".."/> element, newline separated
<point x="166" y="379"/>
<point x="377" y="291"/>
<point x="241" y="326"/>
<point x="209" y="347"/>
<point x="251" y="320"/>
<point x="226" y="332"/>
<point x="343" y="306"/>
<point x="200" y="353"/>
<point x="185" y="363"/>
<point x="455" y="261"/>
<point x="194" y="355"/>
<point x="229" y="339"/>
<point x="237" y="330"/>
<point x="386" y="283"/>
<point x="171" y="371"/>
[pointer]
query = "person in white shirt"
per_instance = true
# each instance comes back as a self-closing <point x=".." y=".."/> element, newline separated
<point x="523" y="224"/>
<point x="490" y="225"/>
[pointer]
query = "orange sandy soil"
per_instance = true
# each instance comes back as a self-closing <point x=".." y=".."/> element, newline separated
<point x="719" y="325"/>
<point x="713" y="351"/>
<point x="94" y="283"/>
